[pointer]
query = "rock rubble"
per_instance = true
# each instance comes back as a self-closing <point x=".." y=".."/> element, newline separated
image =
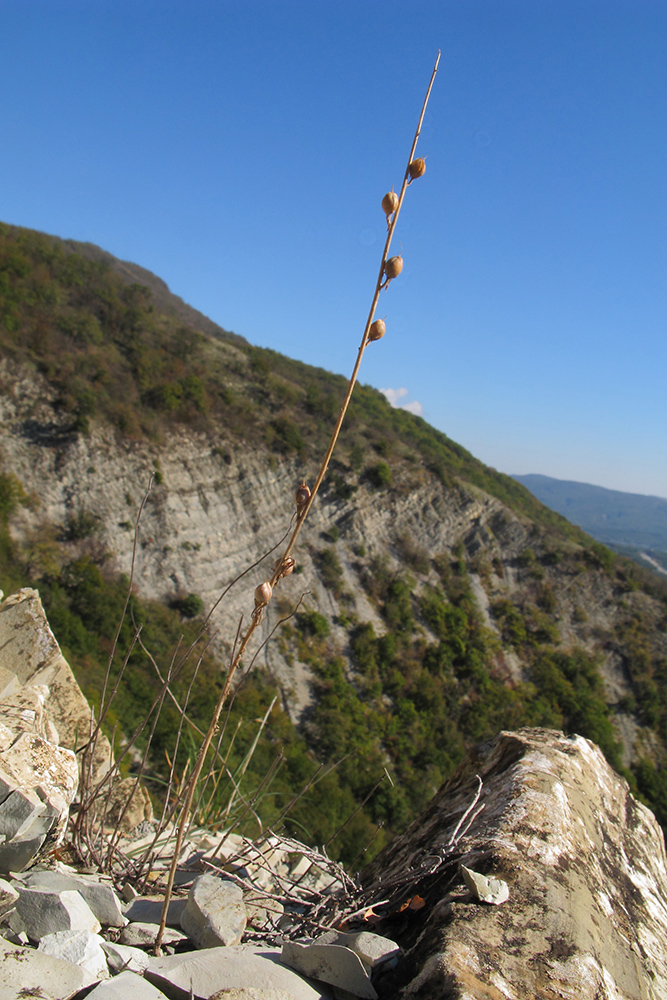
<point x="534" y="823"/>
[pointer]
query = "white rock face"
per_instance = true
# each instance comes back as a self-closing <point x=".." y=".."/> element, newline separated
<point x="121" y="956"/>
<point x="45" y="718"/>
<point x="330" y="963"/>
<point x="8" y="896"/>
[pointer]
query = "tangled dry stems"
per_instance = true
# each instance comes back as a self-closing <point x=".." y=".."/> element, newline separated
<point x="90" y="836"/>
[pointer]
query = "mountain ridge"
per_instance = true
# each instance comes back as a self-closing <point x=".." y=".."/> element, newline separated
<point x="611" y="516"/>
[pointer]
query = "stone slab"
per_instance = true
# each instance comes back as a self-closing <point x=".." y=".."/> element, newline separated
<point x="142" y="935"/>
<point x="46" y="911"/>
<point x="99" y="896"/>
<point x="123" y="956"/>
<point x="24" y="969"/>
<point x="330" y="963"/>
<point x="372" y="949"/>
<point x="148" y="910"/>
<point x="126" y="986"/>
<point x="214" y="969"/>
<point x="215" y="914"/>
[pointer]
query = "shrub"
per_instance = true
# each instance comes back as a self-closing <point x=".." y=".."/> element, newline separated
<point x="189" y="606"/>
<point x="379" y="475"/>
<point x="314" y="624"/>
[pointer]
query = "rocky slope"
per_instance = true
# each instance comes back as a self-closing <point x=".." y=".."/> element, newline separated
<point x="534" y="871"/>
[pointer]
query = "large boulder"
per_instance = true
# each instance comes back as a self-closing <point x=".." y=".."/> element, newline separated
<point x="585" y="864"/>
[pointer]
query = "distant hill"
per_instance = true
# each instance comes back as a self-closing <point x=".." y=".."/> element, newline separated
<point x="613" y="517"/>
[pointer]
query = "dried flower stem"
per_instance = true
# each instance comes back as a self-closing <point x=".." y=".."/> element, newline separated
<point x="301" y="517"/>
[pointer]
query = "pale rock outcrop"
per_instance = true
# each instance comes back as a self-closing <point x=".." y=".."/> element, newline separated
<point x="44" y="720"/>
<point x="585" y="863"/>
<point x="54" y="706"/>
<point x="38" y="782"/>
<point x="330" y="963"/>
<point x="122" y="956"/>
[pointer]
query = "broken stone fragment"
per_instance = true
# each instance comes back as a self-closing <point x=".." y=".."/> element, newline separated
<point x="79" y="947"/>
<point x="330" y="963"/>
<point x="215" y="914"/>
<point x="142" y="935"/>
<point x="25" y="972"/>
<point x="148" y="910"/>
<point x="8" y="896"/>
<point x="46" y="911"/>
<point x="372" y="949"/>
<point x="99" y="896"/>
<point x="126" y="986"/>
<point x="213" y="970"/>
<point x="121" y="956"/>
<point x="485" y="890"/>
<point x="38" y="781"/>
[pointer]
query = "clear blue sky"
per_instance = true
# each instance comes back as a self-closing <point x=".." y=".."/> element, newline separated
<point x="241" y="150"/>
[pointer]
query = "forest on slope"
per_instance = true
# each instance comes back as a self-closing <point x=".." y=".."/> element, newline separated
<point x="518" y="618"/>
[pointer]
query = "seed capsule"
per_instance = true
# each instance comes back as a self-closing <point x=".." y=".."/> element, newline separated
<point x="283" y="567"/>
<point x="377" y="330"/>
<point x="417" y="168"/>
<point x="390" y="203"/>
<point x="393" y="267"/>
<point x="263" y="594"/>
<point x="302" y="496"/>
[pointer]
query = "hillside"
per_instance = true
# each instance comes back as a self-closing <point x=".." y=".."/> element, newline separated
<point x="633" y="524"/>
<point x="435" y="600"/>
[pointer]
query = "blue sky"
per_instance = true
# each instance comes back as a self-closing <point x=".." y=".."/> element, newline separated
<point x="241" y="151"/>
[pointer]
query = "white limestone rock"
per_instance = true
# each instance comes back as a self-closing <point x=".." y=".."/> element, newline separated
<point x="372" y="949"/>
<point x="126" y="986"/>
<point x="121" y="957"/>
<point x="38" y="782"/>
<point x="215" y="914"/>
<point x="250" y="993"/>
<point x="485" y="890"/>
<point x="148" y="910"/>
<point x="142" y="935"/>
<point x="47" y="911"/>
<point x="330" y="963"/>
<point x="79" y="947"/>
<point x="100" y="896"/>
<point x="8" y="896"/>
<point x="213" y="970"/>
<point x="25" y="972"/>
<point x="587" y="916"/>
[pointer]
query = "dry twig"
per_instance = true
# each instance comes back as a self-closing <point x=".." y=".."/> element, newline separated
<point x="263" y="593"/>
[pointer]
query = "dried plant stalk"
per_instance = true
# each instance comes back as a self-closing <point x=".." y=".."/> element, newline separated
<point x="303" y="511"/>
